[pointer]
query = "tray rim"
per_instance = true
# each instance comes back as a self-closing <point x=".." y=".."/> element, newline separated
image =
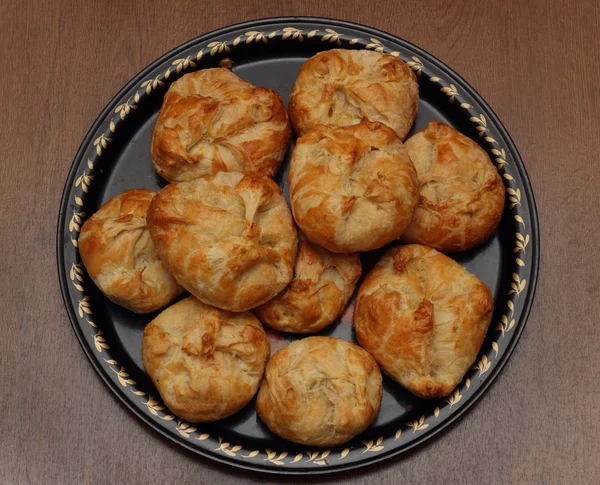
<point x="293" y="20"/>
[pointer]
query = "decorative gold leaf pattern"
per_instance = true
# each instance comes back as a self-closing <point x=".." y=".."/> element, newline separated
<point x="482" y="124"/>
<point x="418" y="425"/>
<point x="454" y="398"/>
<point x="84" y="180"/>
<point x="500" y="157"/>
<point x="152" y="84"/>
<point x="100" y="341"/>
<point x="521" y="242"/>
<point x="450" y="91"/>
<point x="185" y="429"/>
<point x="483" y="365"/>
<point x="218" y="48"/>
<point x="76" y="221"/>
<point x="505" y="324"/>
<point x="416" y="65"/>
<point x="511" y="306"/>
<point x="252" y="454"/>
<point x="436" y="412"/>
<point x="518" y="284"/>
<point x="182" y="64"/>
<point x="332" y="36"/>
<point x="315" y="458"/>
<point x="495" y="347"/>
<point x="377" y="446"/>
<point x="123" y="376"/>
<point x="153" y="406"/>
<point x="255" y="36"/>
<point x="344" y="453"/>
<point x="515" y="196"/>
<point x="224" y="446"/>
<point x="273" y="458"/>
<point x="311" y="455"/>
<point x="75" y="273"/>
<point x="322" y="460"/>
<point x="375" y="45"/>
<point x="84" y="307"/>
<point x="468" y="383"/>
<point x="102" y="142"/>
<point x="292" y="32"/>
<point x="123" y="110"/>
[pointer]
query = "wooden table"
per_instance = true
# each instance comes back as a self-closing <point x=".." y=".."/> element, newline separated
<point x="537" y="66"/>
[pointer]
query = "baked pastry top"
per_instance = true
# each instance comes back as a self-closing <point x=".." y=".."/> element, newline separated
<point x="461" y="195"/>
<point x="352" y="188"/>
<point x="213" y="121"/>
<point x="323" y="283"/>
<point x="206" y="363"/>
<point x="228" y="238"/>
<point x="423" y="317"/>
<point x="120" y="257"/>
<point x="320" y="391"/>
<point x="341" y="87"/>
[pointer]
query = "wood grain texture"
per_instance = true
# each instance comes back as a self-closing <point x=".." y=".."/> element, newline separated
<point x="535" y="62"/>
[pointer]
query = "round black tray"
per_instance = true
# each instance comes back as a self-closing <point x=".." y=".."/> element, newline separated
<point x="115" y="156"/>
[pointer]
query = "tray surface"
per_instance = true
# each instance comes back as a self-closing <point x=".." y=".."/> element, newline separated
<point x="115" y="156"/>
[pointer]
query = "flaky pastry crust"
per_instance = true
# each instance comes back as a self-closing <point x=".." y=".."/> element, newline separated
<point x="340" y="87"/>
<point x="352" y="188"/>
<point x="120" y="257"/>
<point x="213" y="121"/>
<point x="461" y="193"/>
<point x="423" y="317"/>
<point x="228" y="238"/>
<point x="323" y="283"/>
<point x="206" y="363"/>
<point x="320" y="391"/>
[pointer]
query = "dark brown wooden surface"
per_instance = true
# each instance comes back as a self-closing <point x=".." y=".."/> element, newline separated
<point x="535" y="62"/>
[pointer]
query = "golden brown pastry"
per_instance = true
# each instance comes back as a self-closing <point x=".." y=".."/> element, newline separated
<point x="206" y="363"/>
<point x="423" y="317"/>
<point x="322" y="285"/>
<point x="341" y="87"/>
<point x="212" y="121"/>
<point x="352" y="188"/>
<point x="320" y="391"/>
<point x="228" y="238"/>
<point x="461" y="196"/>
<point x="120" y="257"/>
